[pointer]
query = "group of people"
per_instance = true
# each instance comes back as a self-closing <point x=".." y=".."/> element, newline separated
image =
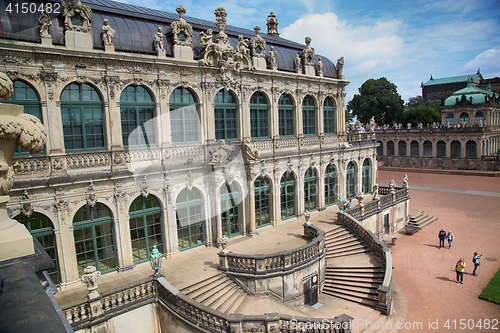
<point x="460" y="267"/>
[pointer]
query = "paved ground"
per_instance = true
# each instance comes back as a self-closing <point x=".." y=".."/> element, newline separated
<point x="469" y="206"/>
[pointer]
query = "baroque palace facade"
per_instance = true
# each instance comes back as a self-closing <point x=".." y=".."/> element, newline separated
<point x="170" y="131"/>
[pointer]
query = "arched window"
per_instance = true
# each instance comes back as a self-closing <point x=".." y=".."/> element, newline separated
<point x="287" y="195"/>
<point x="449" y="118"/>
<point x="310" y="190"/>
<point x="414" y="148"/>
<point x="225" y="116"/>
<point x="230" y="210"/>
<point x="184" y="117"/>
<point x="350" y="181"/>
<point x="262" y="190"/>
<point x="367" y="168"/>
<point x="309" y="115"/>
<point x="189" y="219"/>
<point x="329" y="115"/>
<point x="455" y="149"/>
<point x="259" y="116"/>
<point x="330" y="185"/>
<point x="464" y="118"/>
<point x="479" y="117"/>
<point x="286" y="115"/>
<point x="427" y="148"/>
<point x="380" y="148"/>
<point x="146" y="228"/>
<point x="41" y="228"/>
<point x="441" y="149"/>
<point x="471" y="149"/>
<point x="402" y="148"/>
<point x="137" y="110"/>
<point x="94" y="238"/>
<point x="390" y="148"/>
<point x="82" y="118"/>
<point x="25" y="95"/>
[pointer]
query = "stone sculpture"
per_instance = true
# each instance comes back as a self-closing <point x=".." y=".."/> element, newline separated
<point x="160" y="46"/>
<point x="108" y="33"/>
<point x="45" y="22"/>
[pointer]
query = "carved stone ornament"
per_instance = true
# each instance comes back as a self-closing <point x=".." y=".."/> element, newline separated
<point x="340" y="67"/>
<point x="77" y="17"/>
<point x="167" y="191"/>
<point x="228" y="176"/>
<point x="392" y="185"/>
<point x="308" y="53"/>
<point x="181" y="30"/>
<point x="158" y="39"/>
<point x="375" y="192"/>
<point x="145" y="192"/>
<point x="189" y="180"/>
<point x="405" y="182"/>
<point x="258" y="44"/>
<point x="119" y="196"/>
<point x="89" y="278"/>
<point x="221" y="154"/>
<point x="91" y="199"/>
<point x="61" y="205"/>
<point x="45" y="22"/>
<point x="27" y="209"/>
<point x="107" y="33"/>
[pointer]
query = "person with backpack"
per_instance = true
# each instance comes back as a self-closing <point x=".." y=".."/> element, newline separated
<point x="441" y="236"/>
<point x="460" y="268"/>
<point x="450" y="239"/>
<point x="476" y="262"/>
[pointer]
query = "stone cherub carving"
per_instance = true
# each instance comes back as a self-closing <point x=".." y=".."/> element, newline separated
<point x="45" y="22"/>
<point x="297" y="63"/>
<point x="375" y="192"/>
<point x="206" y="39"/>
<point x="107" y="33"/>
<point x="272" y="57"/>
<point x="242" y="46"/>
<point x="160" y="46"/>
<point x="320" y="66"/>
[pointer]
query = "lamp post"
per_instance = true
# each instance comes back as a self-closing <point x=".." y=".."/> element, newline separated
<point x="341" y="203"/>
<point x="155" y="260"/>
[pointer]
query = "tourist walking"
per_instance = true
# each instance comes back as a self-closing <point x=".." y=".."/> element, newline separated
<point x="460" y="268"/>
<point x="450" y="239"/>
<point x="442" y="237"/>
<point x="476" y="262"/>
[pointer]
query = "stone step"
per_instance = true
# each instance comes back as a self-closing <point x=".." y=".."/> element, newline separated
<point x="352" y="293"/>
<point x="347" y="245"/>
<point x="196" y="294"/>
<point x="347" y="253"/>
<point x="334" y="241"/>
<point x="417" y="214"/>
<point x="231" y="293"/>
<point x="355" y="269"/>
<point x="350" y="283"/>
<point x="339" y="236"/>
<point x="356" y="280"/>
<point x="422" y="221"/>
<point x="348" y="275"/>
<point x="365" y="301"/>
<point x="213" y="294"/>
<point x="231" y="305"/>
<point x="189" y="286"/>
<point x="352" y="289"/>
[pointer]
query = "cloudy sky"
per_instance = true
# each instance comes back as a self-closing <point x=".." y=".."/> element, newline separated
<point x="405" y="41"/>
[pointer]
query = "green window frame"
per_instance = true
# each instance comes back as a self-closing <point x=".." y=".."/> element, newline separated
<point x="414" y="148"/>
<point x="464" y="118"/>
<point x="286" y="114"/>
<point x="189" y="216"/>
<point x="225" y="116"/>
<point x="470" y="149"/>
<point x="230" y="210"/>
<point x="329" y="116"/>
<point x="309" y="115"/>
<point x="331" y="182"/>
<point x="441" y="149"/>
<point x="350" y="181"/>
<point x="259" y="116"/>
<point x="184" y="117"/>
<point x="137" y="112"/>
<point x="402" y="148"/>
<point x="262" y="189"/>
<point x="287" y="195"/>
<point x="456" y="149"/>
<point x="94" y="238"/>
<point x="367" y="167"/>
<point x="390" y="148"/>
<point x="41" y="228"/>
<point x="310" y="190"/>
<point x="146" y="227"/>
<point x="82" y="118"/>
<point x="26" y="96"/>
<point x="478" y="117"/>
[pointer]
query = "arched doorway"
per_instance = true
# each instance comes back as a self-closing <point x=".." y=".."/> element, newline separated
<point x="230" y="210"/>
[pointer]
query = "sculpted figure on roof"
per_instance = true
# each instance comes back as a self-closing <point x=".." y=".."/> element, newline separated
<point x="77" y="17"/>
<point x="160" y="46"/>
<point x="107" y="33"/>
<point x="308" y="53"/>
<point x="258" y="44"/>
<point x="45" y="22"/>
<point x="182" y="30"/>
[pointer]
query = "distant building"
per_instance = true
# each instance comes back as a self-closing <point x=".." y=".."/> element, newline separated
<point x="437" y="90"/>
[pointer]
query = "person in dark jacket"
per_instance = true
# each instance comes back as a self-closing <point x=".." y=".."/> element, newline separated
<point x="442" y="237"/>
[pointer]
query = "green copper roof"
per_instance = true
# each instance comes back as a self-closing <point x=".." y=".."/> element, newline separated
<point x="452" y="79"/>
<point x="473" y="95"/>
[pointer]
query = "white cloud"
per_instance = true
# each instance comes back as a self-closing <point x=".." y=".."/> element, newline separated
<point x="488" y="61"/>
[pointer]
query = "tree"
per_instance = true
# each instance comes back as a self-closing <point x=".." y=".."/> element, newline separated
<point x="378" y="98"/>
<point x="424" y="114"/>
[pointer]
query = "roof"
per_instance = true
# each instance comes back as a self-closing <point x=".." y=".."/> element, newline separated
<point x="451" y="79"/>
<point x="136" y="26"/>
<point x="472" y="94"/>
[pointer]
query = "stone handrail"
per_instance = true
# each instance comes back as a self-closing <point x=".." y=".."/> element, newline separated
<point x="206" y="319"/>
<point x="365" y="136"/>
<point x="275" y="263"/>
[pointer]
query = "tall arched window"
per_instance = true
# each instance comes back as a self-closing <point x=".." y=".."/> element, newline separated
<point x="94" y="238"/>
<point x="230" y="210"/>
<point x="137" y="110"/>
<point x="455" y="149"/>
<point x="414" y="148"/>
<point x="184" y="117"/>
<point x="189" y="219"/>
<point x="146" y="228"/>
<point x="310" y="190"/>
<point x="329" y="115"/>
<point x="367" y="168"/>
<point x="402" y="148"/>
<point x="41" y="228"/>
<point x="380" y="148"/>
<point x="471" y="149"/>
<point x="350" y="181"/>
<point x="287" y="195"/>
<point x="309" y="115"/>
<point x="479" y="117"/>
<point x="390" y="148"/>
<point x="427" y="148"/>
<point x="82" y="118"/>
<point x="25" y="95"/>
<point x="330" y="185"/>
<point x="286" y="115"/>
<point x="259" y="116"/>
<point x="262" y="190"/>
<point x="449" y="118"/>
<point x="225" y="116"/>
<point x="464" y="118"/>
<point x="441" y="149"/>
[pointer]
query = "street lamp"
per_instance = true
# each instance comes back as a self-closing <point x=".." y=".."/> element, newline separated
<point x="155" y="260"/>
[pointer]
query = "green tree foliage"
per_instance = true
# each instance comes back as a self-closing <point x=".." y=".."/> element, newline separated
<point x="424" y="114"/>
<point x="378" y="98"/>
